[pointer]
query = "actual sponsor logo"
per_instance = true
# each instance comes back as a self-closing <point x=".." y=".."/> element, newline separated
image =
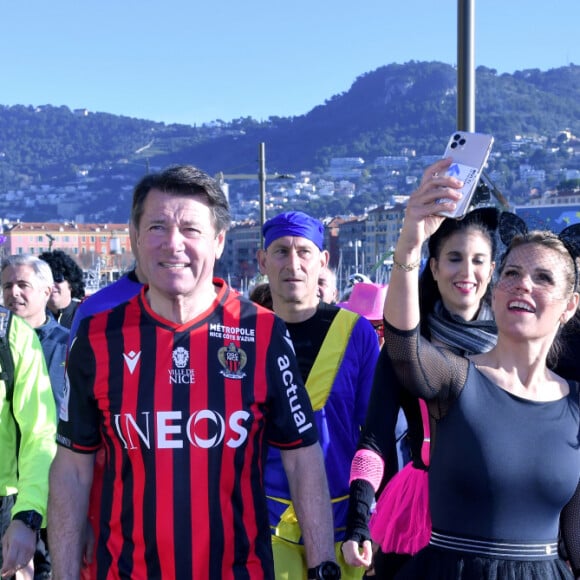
<point x="233" y="360"/>
<point x="298" y="414"/>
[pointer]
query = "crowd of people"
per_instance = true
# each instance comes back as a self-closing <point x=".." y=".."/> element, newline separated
<point x="168" y="427"/>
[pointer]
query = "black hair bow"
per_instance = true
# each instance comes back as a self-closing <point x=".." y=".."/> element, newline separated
<point x="511" y="225"/>
<point x="570" y="237"/>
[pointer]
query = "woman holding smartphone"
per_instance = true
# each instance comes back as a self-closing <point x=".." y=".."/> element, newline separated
<point x="505" y="470"/>
<point x="455" y="313"/>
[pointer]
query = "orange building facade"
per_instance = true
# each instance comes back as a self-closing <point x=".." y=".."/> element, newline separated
<point x="105" y="248"/>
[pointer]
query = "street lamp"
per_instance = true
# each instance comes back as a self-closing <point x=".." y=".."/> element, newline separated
<point x="51" y="240"/>
<point x="388" y="262"/>
<point x="357" y="244"/>
<point x="262" y="178"/>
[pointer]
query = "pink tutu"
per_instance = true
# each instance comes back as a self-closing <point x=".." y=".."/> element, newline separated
<point x="401" y="523"/>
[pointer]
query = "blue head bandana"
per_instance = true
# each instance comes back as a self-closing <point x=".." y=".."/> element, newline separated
<point x="295" y="224"/>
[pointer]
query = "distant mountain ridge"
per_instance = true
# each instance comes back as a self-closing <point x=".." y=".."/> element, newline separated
<point x="409" y="105"/>
<point x="406" y="106"/>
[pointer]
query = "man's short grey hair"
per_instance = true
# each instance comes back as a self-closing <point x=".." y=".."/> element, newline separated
<point x="40" y="268"/>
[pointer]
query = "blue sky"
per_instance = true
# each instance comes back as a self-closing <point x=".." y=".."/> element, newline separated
<point x="188" y="61"/>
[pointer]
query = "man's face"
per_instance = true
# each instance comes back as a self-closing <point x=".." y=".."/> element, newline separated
<point x="24" y="294"/>
<point x="327" y="290"/>
<point x="293" y="265"/>
<point x="177" y="244"/>
<point x="60" y="296"/>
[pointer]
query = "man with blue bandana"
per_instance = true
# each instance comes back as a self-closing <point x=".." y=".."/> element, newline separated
<point x="336" y="351"/>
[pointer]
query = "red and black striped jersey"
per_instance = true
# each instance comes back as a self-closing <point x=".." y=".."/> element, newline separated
<point x="185" y="414"/>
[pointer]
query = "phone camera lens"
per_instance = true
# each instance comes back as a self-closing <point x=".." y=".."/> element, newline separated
<point x="456" y="137"/>
<point x="453" y="145"/>
<point x="462" y="141"/>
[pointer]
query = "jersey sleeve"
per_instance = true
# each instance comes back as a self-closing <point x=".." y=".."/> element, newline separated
<point x="35" y="414"/>
<point x="290" y="421"/>
<point x="78" y="426"/>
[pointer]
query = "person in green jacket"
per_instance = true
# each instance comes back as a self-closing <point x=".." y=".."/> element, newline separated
<point x="27" y="444"/>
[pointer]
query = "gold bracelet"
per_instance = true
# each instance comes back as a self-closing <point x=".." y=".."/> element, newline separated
<point x="407" y="267"/>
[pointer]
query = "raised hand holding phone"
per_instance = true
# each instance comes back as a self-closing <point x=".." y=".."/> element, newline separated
<point x="469" y="152"/>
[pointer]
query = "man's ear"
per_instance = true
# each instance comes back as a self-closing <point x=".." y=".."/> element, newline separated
<point x="133" y="237"/>
<point x="261" y="256"/>
<point x="47" y="291"/>
<point x="325" y="257"/>
<point x="220" y="240"/>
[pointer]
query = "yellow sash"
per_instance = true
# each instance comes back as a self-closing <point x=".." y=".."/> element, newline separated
<point x="319" y="384"/>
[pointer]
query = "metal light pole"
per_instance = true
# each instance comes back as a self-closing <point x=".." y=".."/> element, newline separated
<point x="262" y="177"/>
<point x="262" y="180"/>
<point x="466" y="65"/>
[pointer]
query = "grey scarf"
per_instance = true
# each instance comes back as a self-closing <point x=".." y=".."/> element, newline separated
<point x="466" y="336"/>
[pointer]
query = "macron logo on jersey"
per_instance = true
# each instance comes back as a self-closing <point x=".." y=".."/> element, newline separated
<point x="131" y="360"/>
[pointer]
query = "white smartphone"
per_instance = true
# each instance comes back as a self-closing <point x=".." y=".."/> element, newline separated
<point x="470" y="152"/>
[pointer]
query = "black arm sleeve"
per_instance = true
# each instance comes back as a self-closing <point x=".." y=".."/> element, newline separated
<point x="431" y="373"/>
<point x="361" y="498"/>
<point x="378" y="436"/>
<point x="571" y="530"/>
<point x="378" y="433"/>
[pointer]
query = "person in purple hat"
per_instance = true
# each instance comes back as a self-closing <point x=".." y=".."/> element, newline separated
<point x="367" y="299"/>
<point x="336" y="351"/>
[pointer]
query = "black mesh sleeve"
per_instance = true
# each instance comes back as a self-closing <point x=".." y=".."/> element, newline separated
<point x="378" y="433"/>
<point x="429" y="372"/>
<point x="571" y="531"/>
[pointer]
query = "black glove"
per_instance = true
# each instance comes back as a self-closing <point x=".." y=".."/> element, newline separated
<point x="361" y="500"/>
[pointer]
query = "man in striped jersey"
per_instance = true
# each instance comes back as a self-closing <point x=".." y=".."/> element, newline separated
<point x="184" y="386"/>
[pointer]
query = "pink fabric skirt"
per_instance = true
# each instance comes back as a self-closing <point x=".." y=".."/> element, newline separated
<point x="401" y="523"/>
